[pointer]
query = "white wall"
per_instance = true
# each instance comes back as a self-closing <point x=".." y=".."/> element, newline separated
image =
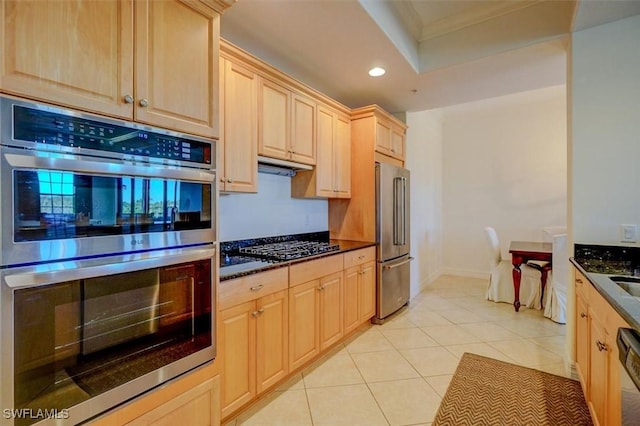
<point x="270" y="212"/>
<point x="424" y="160"/>
<point x="504" y="165"/>
<point x="605" y="79"/>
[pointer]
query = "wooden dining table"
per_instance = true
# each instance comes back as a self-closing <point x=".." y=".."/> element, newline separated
<point x="522" y="252"/>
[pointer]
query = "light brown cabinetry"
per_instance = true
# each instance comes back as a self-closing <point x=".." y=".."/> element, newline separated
<point x="597" y="361"/>
<point x="389" y="133"/>
<point x="253" y="341"/>
<point x="286" y="123"/>
<point x="237" y="151"/>
<point x="118" y="57"/>
<point x="197" y="406"/>
<point x="191" y="399"/>
<point x="332" y="175"/>
<point x="315" y="307"/>
<point x="359" y="287"/>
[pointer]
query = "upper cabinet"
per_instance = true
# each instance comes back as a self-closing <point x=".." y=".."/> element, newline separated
<point x="237" y="151"/>
<point x="149" y="61"/>
<point x="388" y="132"/>
<point x="331" y="177"/>
<point x="286" y="122"/>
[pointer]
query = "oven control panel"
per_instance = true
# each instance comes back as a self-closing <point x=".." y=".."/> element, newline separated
<point x="50" y="128"/>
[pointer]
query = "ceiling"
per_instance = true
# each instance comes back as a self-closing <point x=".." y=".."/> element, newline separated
<point x="436" y="52"/>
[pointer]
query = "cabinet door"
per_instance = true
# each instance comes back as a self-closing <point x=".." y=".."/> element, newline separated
<point x="582" y="343"/>
<point x="331" y="310"/>
<point x="272" y="351"/>
<point x="367" y="292"/>
<point x="237" y="346"/>
<point x="598" y="363"/>
<point x="74" y="53"/>
<point x="383" y="136"/>
<point x="176" y="65"/>
<point x="198" y="407"/>
<point x="303" y="130"/>
<point x="342" y="157"/>
<point x="304" y="343"/>
<point x="273" y="120"/>
<point x="325" y="163"/>
<point x="240" y="130"/>
<point x="397" y="142"/>
<point x="351" y="299"/>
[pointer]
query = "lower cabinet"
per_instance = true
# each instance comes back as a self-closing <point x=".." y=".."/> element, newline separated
<point x="252" y="336"/>
<point x="596" y="327"/>
<point x="198" y="406"/>
<point x="359" y="287"/>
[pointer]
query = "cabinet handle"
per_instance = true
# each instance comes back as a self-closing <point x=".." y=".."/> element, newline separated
<point x="578" y="280"/>
<point x="361" y="257"/>
<point x="229" y="180"/>
<point x="257" y="287"/>
<point x="144" y="103"/>
<point x="257" y="313"/>
<point x="321" y="288"/>
<point x="601" y="346"/>
<point x="223" y="180"/>
<point x="583" y="315"/>
<point x="128" y="99"/>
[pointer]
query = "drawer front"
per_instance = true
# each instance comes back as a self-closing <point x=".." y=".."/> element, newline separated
<point x="251" y="287"/>
<point x="358" y="257"/>
<point x="582" y="285"/>
<point x="313" y="269"/>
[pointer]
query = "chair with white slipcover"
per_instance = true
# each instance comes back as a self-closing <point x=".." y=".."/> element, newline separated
<point x="501" y="281"/>
<point x="555" y="296"/>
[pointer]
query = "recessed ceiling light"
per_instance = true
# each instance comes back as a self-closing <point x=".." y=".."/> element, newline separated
<point x="376" y="72"/>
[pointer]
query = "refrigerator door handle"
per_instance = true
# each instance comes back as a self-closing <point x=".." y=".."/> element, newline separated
<point x="395" y="265"/>
<point x="399" y="211"/>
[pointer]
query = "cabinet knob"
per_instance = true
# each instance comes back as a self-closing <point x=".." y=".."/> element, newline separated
<point x="583" y="315"/>
<point x="229" y="180"/>
<point x="321" y="288"/>
<point x="223" y="180"/>
<point x="257" y="313"/>
<point x="128" y="99"/>
<point x="144" y="103"/>
<point x="578" y="280"/>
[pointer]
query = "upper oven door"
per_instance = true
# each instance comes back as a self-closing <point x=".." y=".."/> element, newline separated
<point x="65" y="206"/>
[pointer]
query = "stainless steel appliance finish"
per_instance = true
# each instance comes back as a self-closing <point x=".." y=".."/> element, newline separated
<point x="107" y="261"/>
<point x="392" y="236"/>
<point x="629" y="353"/>
<point x="87" y="186"/>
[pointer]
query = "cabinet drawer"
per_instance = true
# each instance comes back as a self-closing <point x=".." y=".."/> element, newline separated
<point x="582" y="285"/>
<point x="244" y="289"/>
<point x="314" y="269"/>
<point x="358" y="257"/>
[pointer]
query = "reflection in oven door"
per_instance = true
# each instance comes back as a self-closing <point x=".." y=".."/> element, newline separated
<point x="79" y="339"/>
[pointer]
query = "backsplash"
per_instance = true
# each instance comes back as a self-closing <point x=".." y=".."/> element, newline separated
<point x="270" y="212"/>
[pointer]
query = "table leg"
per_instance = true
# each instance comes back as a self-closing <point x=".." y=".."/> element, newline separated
<point x="517" y="274"/>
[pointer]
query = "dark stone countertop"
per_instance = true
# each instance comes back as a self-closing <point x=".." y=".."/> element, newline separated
<point x="599" y="274"/>
<point x="246" y="266"/>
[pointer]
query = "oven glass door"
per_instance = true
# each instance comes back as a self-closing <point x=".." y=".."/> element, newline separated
<point x="54" y="204"/>
<point x="78" y="339"/>
<point x="71" y="207"/>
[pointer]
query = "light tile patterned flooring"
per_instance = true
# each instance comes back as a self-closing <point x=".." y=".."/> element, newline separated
<point x="398" y="372"/>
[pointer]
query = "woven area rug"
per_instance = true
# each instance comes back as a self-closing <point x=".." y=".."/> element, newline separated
<point x="485" y="391"/>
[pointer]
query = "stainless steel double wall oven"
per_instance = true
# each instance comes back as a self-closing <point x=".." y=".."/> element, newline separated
<point x="108" y="233"/>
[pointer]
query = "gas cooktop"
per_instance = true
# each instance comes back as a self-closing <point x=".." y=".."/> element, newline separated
<point x="289" y="250"/>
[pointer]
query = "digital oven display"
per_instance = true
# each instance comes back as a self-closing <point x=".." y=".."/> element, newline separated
<point x="50" y="128"/>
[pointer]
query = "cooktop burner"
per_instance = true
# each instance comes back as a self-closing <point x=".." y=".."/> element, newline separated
<point x="289" y="250"/>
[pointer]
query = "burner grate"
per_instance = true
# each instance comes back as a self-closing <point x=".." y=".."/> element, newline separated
<point x="289" y="250"/>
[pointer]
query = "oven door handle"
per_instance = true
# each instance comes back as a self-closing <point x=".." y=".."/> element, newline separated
<point x="74" y="270"/>
<point x="61" y="162"/>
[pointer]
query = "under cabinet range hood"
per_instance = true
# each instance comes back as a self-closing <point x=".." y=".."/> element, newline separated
<point x="281" y="164"/>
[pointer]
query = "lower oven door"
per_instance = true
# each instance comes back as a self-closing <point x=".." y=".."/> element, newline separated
<point x="79" y="338"/>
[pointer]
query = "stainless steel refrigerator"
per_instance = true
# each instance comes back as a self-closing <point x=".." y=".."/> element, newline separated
<point x="392" y="238"/>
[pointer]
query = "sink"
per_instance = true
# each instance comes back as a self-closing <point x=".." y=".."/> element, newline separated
<point x="629" y="284"/>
